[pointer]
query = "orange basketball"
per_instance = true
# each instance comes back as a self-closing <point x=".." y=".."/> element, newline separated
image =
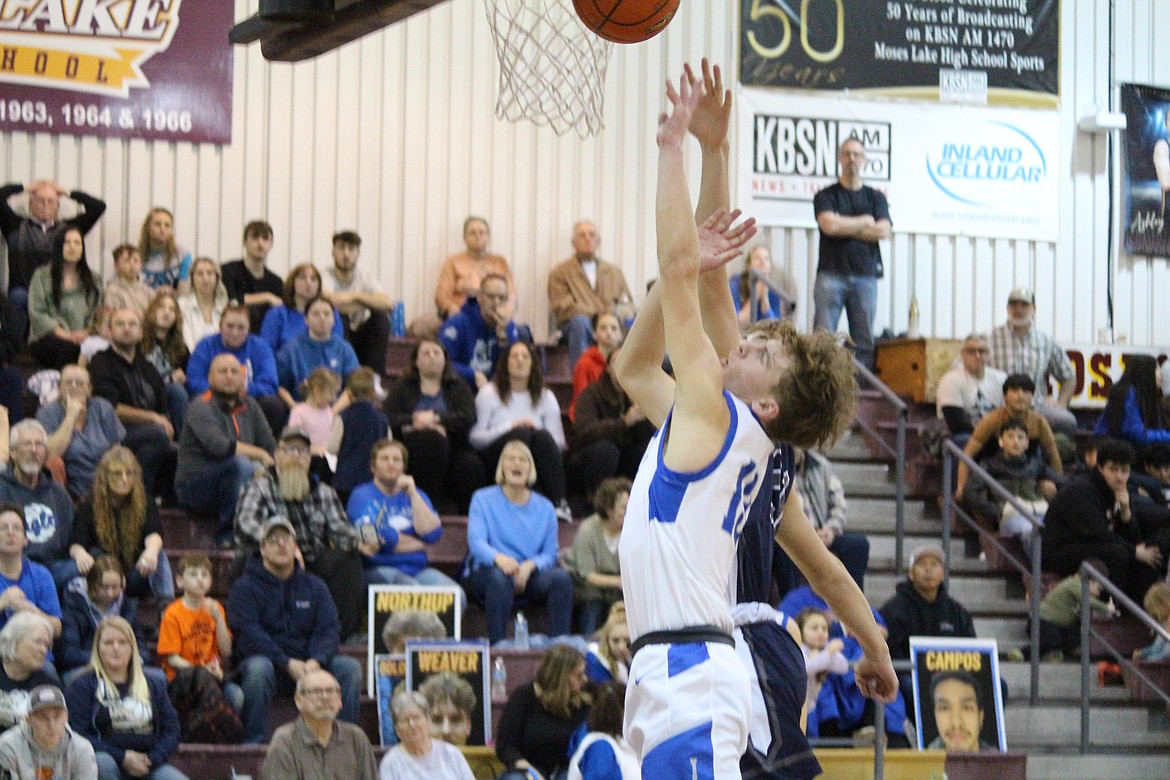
<point x="626" y="21"/>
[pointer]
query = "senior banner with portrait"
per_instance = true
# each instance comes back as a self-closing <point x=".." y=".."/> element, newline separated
<point x="154" y="69"/>
<point x="1147" y="169"/>
<point x="999" y="51"/>
<point x="957" y="697"/>
<point x="949" y="170"/>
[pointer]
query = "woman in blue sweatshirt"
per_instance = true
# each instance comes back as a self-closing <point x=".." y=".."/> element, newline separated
<point x="1133" y="411"/>
<point x="125" y="714"/>
<point x="512" y="538"/>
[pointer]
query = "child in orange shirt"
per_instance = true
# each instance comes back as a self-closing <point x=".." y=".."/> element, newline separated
<point x="193" y="630"/>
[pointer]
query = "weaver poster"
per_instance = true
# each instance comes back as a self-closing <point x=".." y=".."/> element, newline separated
<point x="412" y="612"/>
<point x="957" y="701"/>
<point x="978" y="51"/>
<point x="154" y="69"/>
<point x="454" y="678"/>
<point x="1147" y="169"/>
<point x="952" y="170"/>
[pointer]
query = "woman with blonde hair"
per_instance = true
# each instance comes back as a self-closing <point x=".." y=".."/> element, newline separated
<point x="608" y="659"/>
<point x="164" y="264"/>
<point x="202" y="305"/>
<point x="165" y="347"/>
<point x="513" y="544"/>
<point x="117" y="518"/>
<point x="541" y="716"/>
<point x="284" y="323"/>
<point x="125" y="714"/>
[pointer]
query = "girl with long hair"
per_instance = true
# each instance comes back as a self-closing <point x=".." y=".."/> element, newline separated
<point x="122" y="711"/>
<point x="541" y="716"/>
<point x="516" y="406"/>
<point x="284" y="323"/>
<point x="62" y="298"/>
<point x="164" y="264"/>
<point x="1133" y="410"/>
<point x="431" y="410"/>
<point x="164" y="347"/>
<point x="117" y="518"/>
<point x="202" y="305"/>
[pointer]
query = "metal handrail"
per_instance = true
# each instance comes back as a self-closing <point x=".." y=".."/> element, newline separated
<point x="1089" y="572"/>
<point x="785" y="299"/>
<point x="951" y="451"/>
<point x="898" y="451"/>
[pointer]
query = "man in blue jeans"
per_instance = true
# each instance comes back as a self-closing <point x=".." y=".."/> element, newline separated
<point x="285" y="626"/>
<point x="224" y="436"/>
<point x="853" y="218"/>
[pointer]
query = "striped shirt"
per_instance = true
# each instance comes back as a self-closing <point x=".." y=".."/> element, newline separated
<point x="1034" y="354"/>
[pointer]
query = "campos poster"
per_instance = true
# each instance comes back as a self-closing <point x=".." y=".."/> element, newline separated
<point x="454" y="678"/>
<point x="957" y="697"/>
<point x="1002" y="52"/>
<point x="154" y="69"/>
<point x="953" y="170"/>
<point x="398" y="613"/>
<point x="1147" y="169"/>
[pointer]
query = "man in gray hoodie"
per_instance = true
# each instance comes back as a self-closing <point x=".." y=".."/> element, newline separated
<point x="44" y="745"/>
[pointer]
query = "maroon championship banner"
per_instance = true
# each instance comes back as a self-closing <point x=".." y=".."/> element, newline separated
<point x="160" y="70"/>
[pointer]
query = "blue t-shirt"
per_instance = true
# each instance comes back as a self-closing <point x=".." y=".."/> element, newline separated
<point x="38" y="587"/>
<point x="392" y="516"/>
<point x="156" y="273"/>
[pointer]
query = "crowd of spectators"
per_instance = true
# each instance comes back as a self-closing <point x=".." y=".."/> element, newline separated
<point x="220" y="389"/>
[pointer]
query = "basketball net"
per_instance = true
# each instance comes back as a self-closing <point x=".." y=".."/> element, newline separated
<point x="552" y="69"/>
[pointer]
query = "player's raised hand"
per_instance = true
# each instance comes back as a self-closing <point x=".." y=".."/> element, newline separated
<point x="712" y="115"/>
<point x="721" y="241"/>
<point x="673" y="127"/>
<point x="876" y="679"/>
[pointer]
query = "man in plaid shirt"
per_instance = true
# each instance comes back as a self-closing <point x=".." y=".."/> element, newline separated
<point x="327" y="543"/>
<point x="1017" y="347"/>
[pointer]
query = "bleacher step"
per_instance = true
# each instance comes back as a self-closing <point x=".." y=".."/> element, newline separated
<point x="1064" y="766"/>
<point x="1059" y="682"/>
<point x="1110" y="726"/>
<point x="880" y="586"/>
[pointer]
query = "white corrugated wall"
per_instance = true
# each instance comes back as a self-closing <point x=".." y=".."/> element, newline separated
<point x="395" y="136"/>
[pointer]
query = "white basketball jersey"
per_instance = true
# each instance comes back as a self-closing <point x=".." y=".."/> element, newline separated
<point x="678" y="544"/>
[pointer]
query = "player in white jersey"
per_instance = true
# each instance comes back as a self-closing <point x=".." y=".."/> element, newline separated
<point x="688" y="702"/>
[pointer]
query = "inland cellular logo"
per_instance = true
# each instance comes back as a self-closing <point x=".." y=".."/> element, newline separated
<point x="975" y="164"/>
<point x="95" y="46"/>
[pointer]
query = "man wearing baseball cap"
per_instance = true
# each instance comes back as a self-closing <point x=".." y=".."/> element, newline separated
<point x="44" y="745"/>
<point x="921" y="606"/>
<point x="1018" y="347"/>
<point x="285" y="626"/>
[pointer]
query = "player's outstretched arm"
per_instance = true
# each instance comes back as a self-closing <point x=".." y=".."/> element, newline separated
<point x="829" y="579"/>
<point x="639" y="364"/>
<point x="701" y="417"/>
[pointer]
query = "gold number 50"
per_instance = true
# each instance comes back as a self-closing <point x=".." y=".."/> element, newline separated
<point x="760" y="10"/>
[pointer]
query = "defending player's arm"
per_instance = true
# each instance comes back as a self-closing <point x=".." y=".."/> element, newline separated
<point x="830" y="580"/>
<point x="709" y="124"/>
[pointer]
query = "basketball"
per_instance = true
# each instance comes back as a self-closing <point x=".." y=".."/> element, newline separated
<point x="626" y="21"/>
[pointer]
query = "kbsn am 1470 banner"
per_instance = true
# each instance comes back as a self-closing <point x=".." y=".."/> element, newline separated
<point x="152" y="69"/>
<point x="920" y="49"/>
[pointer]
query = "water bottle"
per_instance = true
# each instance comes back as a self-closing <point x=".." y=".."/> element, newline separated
<point x="499" y="679"/>
<point x="521" y="637"/>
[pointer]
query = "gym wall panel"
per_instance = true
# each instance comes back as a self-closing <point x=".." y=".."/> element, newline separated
<point x="395" y="136"/>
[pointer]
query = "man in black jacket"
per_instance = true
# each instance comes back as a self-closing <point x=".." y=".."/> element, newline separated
<point x="921" y="606"/>
<point x="123" y="376"/>
<point x="1092" y="517"/>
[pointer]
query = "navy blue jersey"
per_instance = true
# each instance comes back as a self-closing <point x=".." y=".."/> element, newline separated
<point x="754" y="554"/>
<point x="780" y="675"/>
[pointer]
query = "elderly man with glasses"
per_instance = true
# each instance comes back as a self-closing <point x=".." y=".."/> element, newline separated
<point x="285" y="628"/>
<point x="970" y="389"/>
<point x="327" y="543"/>
<point x="48" y="509"/>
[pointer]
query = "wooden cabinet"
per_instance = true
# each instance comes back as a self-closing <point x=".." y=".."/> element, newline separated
<point x="912" y="367"/>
